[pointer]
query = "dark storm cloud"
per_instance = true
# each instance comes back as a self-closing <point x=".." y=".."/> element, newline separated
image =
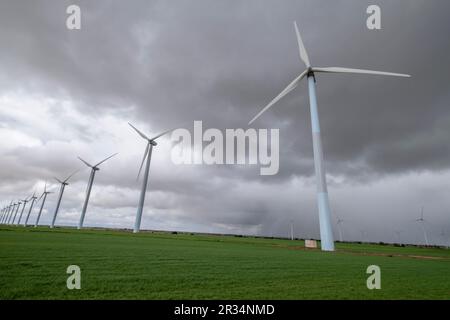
<point x="220" y="63"/>
<point x="167" y="62"/>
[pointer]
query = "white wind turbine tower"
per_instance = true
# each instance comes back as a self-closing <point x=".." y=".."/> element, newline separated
<point x="397" y="233"/>
<point x="11" y="213"/>
<point x="363" y="235"/>
<point x="338" y="224"/>
<point x="33" y="200"/>
<point x="446" y="242"/>
<point x="5" y="213"/>
<point x="25" y="201"/>
<point x="8" y="212"/>
<point x="421" y="221"/>
<point x="13" y="209"/>
<point x="94" y="168"/>
<point x="63" y="183"/>
<point x="292" y="229"/>
<point x="147" y="154"/>
<point x="17" y="210"/>
<point x="326" y="234"/>
<point x="44" y="196"/>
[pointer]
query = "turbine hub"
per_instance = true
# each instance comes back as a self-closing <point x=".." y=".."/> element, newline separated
<point x="153" y="143"/>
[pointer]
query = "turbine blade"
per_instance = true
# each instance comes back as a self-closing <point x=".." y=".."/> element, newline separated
<point x="358" y="71"/>
<point x="143" y="159"/>
<point x="106" y="159"/>
<point x="71" y="175"/>
<point x="85" y="162"/>
<point x="301" y="47"/>
<point x="288" y="89"/>
<point x="139" y="132"/>
<point x="163" y="133"/>
<point x="57" y="180"/>
<point x="41" y="196"/>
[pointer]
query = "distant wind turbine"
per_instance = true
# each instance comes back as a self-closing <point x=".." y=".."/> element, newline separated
<point x="363" y="234"/>
<point x="326" y="233"/>
<point x="10" y="210"/>
<point x="94" y="168"/>
<point x="43" y="197"/>
<point x="24" y="201"/>
<point x="3" y="214"/>
<point x="63" y="183"/>
<point x="397" y="233"/>
<point x="443" y="234"/>
<point x="7" y="210"/>
<point x="33" y="200"/>
<point x="147" y="154"/>
<point x="13" y="208"/>
<point x="292" y="229"/>
<point x="17" y="210"/>
<point x="421" y="222"/>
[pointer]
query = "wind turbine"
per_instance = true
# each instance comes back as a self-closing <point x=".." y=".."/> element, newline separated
<point x="25" y="201"/>
<point x="398" y="232"/>
<point x="13" y="207"/>
<point x="421" y="221"/>
<point x="443" y="234"/>
<point x="292" y="229"/>
<point x="33" y="200"/>
<point x="17" y="210"/>
<point x="94" y="168"/>
<point x="5" y="213"/>
<point x="63" y="183"/>
<point x="326" y="233"/>
<point x="44" y="195"/>
<point x="4" y="210"/>
<point x="147" y="154"/>
<point x="8" y="212"/>
<point x="363" y="234"/>
<point x="339" y="222"/>
<point x="11" y="212"/>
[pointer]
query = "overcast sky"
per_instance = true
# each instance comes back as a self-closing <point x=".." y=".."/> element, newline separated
<point x="158" y="64"/>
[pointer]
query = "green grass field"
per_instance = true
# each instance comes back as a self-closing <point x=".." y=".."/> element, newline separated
<point x="122" y="265"/>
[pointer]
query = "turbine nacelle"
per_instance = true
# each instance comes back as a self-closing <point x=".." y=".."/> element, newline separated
<point x="95" y="166"/>
<point x="150" y="142"/>
<point x="65" y="182"/>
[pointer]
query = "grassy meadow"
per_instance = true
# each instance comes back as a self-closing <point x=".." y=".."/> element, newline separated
<point x="158" y="265"/>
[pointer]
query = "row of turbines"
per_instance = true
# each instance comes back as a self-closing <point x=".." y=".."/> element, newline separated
<point x="421" y="221"/>
<point x="10" y="212"/>
<point x="309" y="73"/>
